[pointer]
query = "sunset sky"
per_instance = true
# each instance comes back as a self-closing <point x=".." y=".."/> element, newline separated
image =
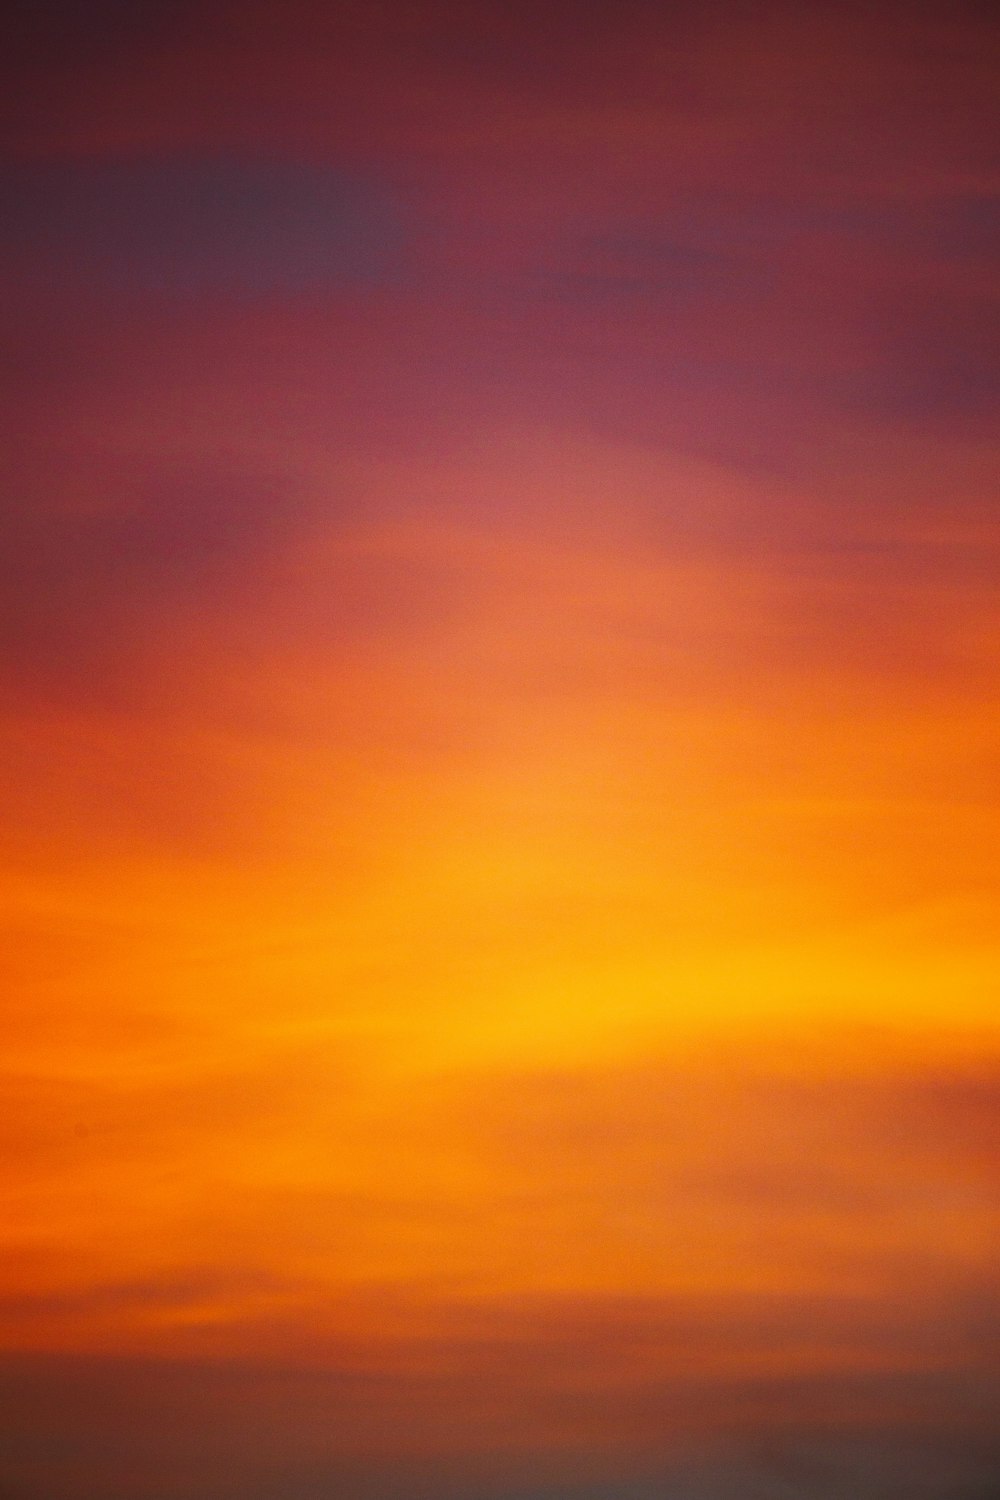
<point x="499" y="644"/>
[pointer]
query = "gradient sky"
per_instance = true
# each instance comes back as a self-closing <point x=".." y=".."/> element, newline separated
<point x="498" y="653"/>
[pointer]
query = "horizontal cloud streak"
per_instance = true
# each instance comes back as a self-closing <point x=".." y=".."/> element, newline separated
<point x="190" y="226"/>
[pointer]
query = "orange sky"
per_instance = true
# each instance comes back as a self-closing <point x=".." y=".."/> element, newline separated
<point x="499" y="755"/>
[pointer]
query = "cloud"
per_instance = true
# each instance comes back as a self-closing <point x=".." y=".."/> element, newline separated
<point x="92" y="573"/>
<point x="85" y="1427"/>
<point x="193" y="226"/>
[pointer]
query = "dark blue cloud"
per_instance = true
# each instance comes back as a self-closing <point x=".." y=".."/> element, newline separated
<point x="178" y="225"/>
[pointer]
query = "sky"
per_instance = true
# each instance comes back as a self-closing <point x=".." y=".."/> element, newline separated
<point x="498" y="751"/>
